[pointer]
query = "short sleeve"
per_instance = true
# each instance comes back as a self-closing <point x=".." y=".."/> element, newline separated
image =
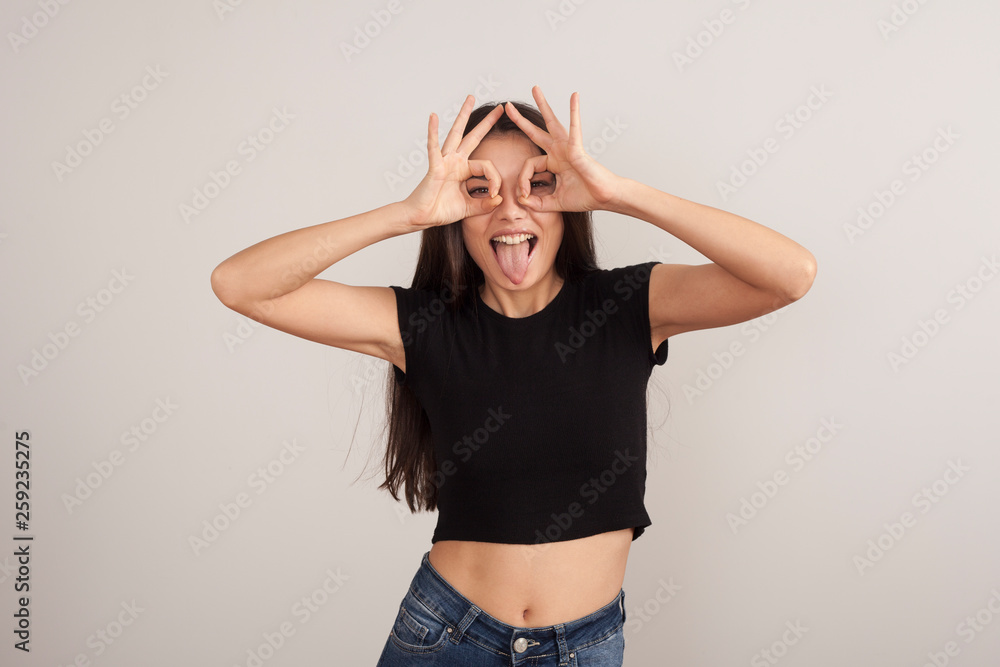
<point x="416" y="311"/>
<point x="406" y="303"/>
<point x="629" y="286"/>
<point x="658" y="356"/>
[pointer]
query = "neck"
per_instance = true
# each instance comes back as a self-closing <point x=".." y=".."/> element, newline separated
<point x="522" y="302"/>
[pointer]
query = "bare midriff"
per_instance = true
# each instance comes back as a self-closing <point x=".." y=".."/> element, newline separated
<point x="536" y="585"/>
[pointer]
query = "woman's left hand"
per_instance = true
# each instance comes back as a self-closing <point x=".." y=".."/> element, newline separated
<point x="582" y="184"/>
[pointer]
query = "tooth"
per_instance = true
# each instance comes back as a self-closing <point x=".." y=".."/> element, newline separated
<point x="512" y="239"/>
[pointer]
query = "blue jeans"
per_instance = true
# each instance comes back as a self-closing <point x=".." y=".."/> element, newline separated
<point x="438" y="626"/>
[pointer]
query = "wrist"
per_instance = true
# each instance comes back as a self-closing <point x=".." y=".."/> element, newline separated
<point x="638" y="200"/>
<point x="405" y="217"/>
<point x="625" y="196"/>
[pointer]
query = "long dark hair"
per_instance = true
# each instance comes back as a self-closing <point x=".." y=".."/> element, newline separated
<point x="445" y="263"/>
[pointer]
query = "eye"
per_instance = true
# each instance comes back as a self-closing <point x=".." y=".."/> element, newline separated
<point x="542" y="183"/>
<point x="481" y="191"/>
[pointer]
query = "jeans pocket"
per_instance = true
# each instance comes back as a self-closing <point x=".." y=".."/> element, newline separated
<point x="608" y="652"/>
<point x="417" y="629"/>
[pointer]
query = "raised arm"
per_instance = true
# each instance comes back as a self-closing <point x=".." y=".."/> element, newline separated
<point x="275" y="283"/>
<point x="754" y="269"/>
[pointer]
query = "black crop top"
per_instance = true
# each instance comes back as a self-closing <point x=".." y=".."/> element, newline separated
<point x="539" y="423"/>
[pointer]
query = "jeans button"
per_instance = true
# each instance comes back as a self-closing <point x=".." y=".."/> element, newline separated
<point x="520" y="644"/>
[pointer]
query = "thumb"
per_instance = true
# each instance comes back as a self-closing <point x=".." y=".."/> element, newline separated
<point x="486" y="205"/>
<point x="536" y="203"/>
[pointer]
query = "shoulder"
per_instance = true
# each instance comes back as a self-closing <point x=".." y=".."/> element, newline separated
<point x="622" y="282"/>
<point x="411" y="298"/>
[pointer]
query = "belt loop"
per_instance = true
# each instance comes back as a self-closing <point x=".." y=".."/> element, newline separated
<point x="624" y="615"/>
<point x="561" y="641"/>
<point x="464" y="624"/>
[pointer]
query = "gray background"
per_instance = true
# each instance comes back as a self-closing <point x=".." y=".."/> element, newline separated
<point x="240" y="395"/>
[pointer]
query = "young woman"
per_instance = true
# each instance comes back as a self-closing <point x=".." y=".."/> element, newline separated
<point x="519" y="368"/>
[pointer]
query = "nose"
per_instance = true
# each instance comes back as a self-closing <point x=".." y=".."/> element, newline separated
<point x="510" y="208"/>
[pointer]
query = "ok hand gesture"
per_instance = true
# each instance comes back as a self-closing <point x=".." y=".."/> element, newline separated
<point x="441" y="197"/>
<point x="581" y="183"/>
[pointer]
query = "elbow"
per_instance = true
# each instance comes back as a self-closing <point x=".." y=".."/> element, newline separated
<point x="224" y="286"/>
<point x="229" y="288"/>
<point x="801" y="278"/>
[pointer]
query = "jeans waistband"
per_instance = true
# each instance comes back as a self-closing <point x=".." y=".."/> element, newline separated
<point x="471" y="622"/>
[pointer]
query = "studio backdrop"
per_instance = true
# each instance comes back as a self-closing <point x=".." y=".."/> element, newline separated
<point x="182" y="486"/>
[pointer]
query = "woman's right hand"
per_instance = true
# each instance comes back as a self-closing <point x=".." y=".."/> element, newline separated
<point x="442" y="197"/>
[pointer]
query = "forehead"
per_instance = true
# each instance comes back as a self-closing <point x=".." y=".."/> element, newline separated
<point x="513" y="147"/>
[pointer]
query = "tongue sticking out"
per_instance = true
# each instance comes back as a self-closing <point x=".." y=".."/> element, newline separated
<point x="513" y="260"/>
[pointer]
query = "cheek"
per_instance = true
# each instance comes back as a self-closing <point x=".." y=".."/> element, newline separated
<point x="467" y="233"/>
<point x="559" y="231"/>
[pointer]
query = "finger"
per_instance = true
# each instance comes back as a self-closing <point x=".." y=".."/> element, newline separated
<point x="537" y="203"/>
<point x="531" y="166"/>
<point x="480" y="206"/>
<point x="454" y="137"/>
<point x="550" y="118"/>
<point x="472" y="139"/>
<point x="535" y="133"/>
<point x="433" y="150"/>
<point x="488" y="170"/>
<point x="575" y="127"/>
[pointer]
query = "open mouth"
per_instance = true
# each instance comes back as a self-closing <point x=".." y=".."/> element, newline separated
<point x="513" y="253"/>
<point x="514" y="239"/>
